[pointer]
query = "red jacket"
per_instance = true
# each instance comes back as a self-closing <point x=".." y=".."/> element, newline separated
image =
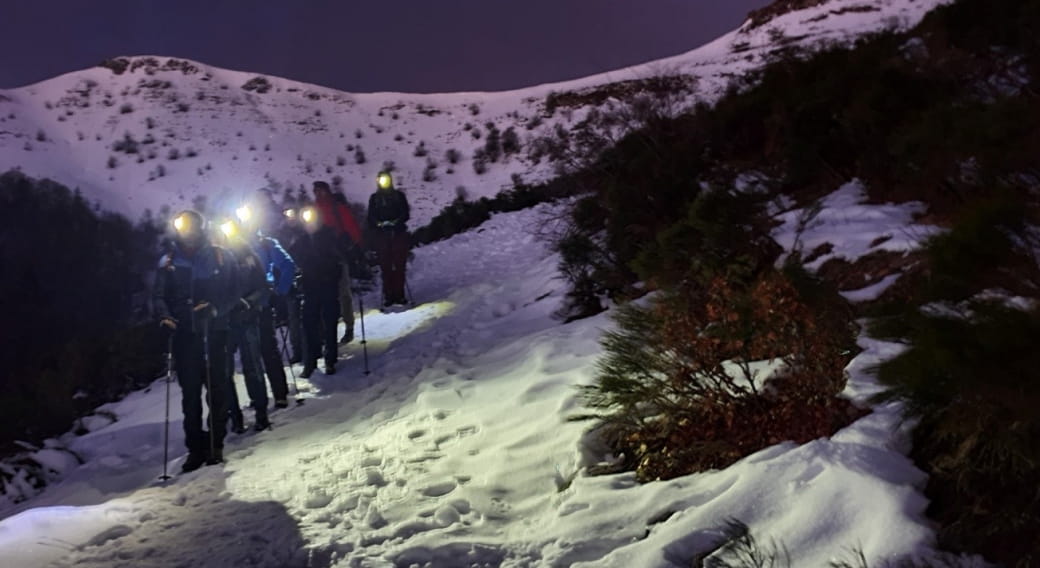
<point x="338" y="217"/>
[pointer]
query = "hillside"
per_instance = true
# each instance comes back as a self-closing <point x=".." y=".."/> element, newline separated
<point x="146" y="132"/>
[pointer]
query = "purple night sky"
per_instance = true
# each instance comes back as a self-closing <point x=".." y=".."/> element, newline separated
<point x="365" y="45"/>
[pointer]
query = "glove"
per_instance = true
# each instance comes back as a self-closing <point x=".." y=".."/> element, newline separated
<point x="205" y="310"/>
<point x="168" y="323"/>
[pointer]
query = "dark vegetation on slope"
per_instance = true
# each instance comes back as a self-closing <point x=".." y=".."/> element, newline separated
<point x="945" y="114"/>
<point x="73" y="299"/>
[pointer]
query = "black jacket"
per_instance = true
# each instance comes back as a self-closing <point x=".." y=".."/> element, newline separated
<point x="187" y="278"/>
<point x="252" y="286"/>
<point x="319" y="257"/>
<point x="388" y="210"/>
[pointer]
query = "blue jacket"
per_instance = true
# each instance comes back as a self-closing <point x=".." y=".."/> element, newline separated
<point x="186" y="280"/>
<point x="280" y="267"/>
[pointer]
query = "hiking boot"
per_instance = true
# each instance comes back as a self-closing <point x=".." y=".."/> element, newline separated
<point x="217" y="456"/>
<point x="262" y="422"/>
<point x="295" y="360"/>
<point x="281" y="403"/>
<point x="238" y="423"/>
<point x="347" y="337"/>
<point x="193" y="461"/>
<point x="307" y="371"/>
<point x="330" y="368"/>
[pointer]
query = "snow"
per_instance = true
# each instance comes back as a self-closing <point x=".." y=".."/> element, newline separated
<point x="871" y="292"/>
<point x="456" y="451"/>
<point x="852" y="227"/>
<point x="296" y="132"/>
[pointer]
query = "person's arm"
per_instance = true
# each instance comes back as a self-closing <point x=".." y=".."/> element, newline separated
<point x="406" y="209"/>
<point x="349" y="224"/>
<point x="373" y="220"/>
<point x="161" y="291"/>
<point x="284" y="267"/>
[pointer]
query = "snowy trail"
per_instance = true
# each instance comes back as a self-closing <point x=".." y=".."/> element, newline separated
<point x="456" y="451"/>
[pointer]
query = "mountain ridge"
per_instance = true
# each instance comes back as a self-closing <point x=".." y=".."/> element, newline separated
<point x="223" y="134"/>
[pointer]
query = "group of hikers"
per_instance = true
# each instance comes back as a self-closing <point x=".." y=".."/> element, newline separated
<point x="224" y="288"/>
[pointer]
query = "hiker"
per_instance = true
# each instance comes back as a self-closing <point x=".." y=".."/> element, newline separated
<point x="388" y="213"/>
<point x="334" y="212"/>
<point x="316" y="252"/>
<point x="280" y="272"/>
<point x="254" y="295"/>
<point x="194" y="295"/>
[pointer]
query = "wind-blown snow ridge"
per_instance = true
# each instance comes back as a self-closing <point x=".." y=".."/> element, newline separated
<point x="230" y="141"/>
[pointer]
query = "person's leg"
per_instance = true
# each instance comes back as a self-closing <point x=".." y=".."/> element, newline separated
<point x="252" y="367"/>
<point x="273" y="364"/>
<point x="399" y="254"/>
<point x="329" y="317"/>
<point x="346" y="305"/>
<point x="233" y="405"/>
<point x="217" y="393"/>
<point x="386" y="266"/>
<point x="187" y="361"/>
<point x="311" y="333"/>
<point x="296" y="335"/>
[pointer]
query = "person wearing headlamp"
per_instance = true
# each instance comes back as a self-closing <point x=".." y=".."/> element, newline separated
<point x="280" y="272"/>
<point x="254" y="295"/>
<point x="388" y="213"/>
<point x="316" y="251"/>
<point x="334" y="212"/>
<point x="194" y="294"/>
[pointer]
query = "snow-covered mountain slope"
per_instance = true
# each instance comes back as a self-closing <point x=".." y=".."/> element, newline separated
<point x="456" y="451"/>
<point x="199" y="130"/>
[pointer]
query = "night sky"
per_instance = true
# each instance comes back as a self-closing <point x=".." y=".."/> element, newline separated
<point x="365" y="45"/>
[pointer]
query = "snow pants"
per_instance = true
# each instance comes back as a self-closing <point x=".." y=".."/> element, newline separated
<point x="392" y="249"/>
<point x="346" y="300"/>
<point x="320" y="315"/>
<point x="273" y="364"/>
<point x="189" y="350"/>
<point x="245" y="338"/>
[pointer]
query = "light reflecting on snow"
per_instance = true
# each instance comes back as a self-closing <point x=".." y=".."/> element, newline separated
<point x="384" y="328"/>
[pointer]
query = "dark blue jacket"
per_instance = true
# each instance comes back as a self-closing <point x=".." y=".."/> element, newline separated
<point x="187" y="279"/>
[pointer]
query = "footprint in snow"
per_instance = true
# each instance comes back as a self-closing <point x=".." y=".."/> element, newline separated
<point x="114" y="533"/>
<point x="439" y="489"/>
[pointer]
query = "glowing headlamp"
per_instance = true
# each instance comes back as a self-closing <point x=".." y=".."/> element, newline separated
<point x="244" y="213"/>
<point x="289" y="213"/>
<point x="384" y="181"/>
<point x="180" y="223"/>
<point x="309" y="215"/>
<point x="229" y="228"/>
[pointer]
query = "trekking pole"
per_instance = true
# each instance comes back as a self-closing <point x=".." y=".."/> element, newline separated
<point x="364" y="341"/>
<point x="287" y="359"/>
<point x="166" y="426"/>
